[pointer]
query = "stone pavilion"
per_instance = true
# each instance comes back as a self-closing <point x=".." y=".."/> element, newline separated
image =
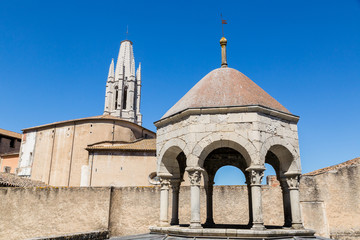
<point x="227" y="119"/>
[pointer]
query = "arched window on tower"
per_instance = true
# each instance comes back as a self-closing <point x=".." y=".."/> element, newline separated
<point x="116" y="97"/>
<point x="124" y="98"/>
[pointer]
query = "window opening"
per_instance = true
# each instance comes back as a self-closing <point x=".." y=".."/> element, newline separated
<point x="124" y="98"/>
<point x="116" y="98"/>
<point x="12" y="143"/>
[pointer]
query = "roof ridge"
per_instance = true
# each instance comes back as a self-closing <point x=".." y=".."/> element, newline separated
<point x="106" y="117"/>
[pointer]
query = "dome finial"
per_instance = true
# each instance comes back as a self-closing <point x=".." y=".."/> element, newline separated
<point x="223" y="43"/>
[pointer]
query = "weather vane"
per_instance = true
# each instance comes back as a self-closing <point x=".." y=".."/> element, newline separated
<point x="127" y="31"/>
<point x="222" y="24"/>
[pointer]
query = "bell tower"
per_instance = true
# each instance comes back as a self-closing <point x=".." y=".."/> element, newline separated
<point x="123" y="86"/>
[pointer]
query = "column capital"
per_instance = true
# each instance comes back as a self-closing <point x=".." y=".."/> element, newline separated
<point x="256" y="176"/>
<point x="194" y="176"/>
<point x="293" y="181"/>
<point x="165" y="183"/>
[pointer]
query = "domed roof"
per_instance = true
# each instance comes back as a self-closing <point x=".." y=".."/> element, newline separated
<point x="225" y="87"/>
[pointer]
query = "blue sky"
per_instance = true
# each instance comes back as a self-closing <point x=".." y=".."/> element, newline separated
<point x="54" y="59"/>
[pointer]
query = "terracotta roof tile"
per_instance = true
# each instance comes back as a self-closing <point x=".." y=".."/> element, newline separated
<point x="355" y="161"/>
<point x="11" y="180"/>
<point x="224" y="87"/>
<point x="10" y="133"/>
<point x="140" y="145"/>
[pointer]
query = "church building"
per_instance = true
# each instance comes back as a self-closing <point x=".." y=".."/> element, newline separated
<point x="112" y="149"/>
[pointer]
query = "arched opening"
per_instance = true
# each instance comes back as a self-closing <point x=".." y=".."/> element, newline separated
<point x="172" y="169"/>
<point x="124" y="98"/>
<point x="226" y="206"/>
<point x="218" y="200"/>
<point x="229" y="175"/>
<point x="273" y="212"/>
<point x="282" y="161"/>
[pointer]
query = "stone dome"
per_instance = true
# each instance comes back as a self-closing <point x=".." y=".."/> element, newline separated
<point x="225" y="87"/>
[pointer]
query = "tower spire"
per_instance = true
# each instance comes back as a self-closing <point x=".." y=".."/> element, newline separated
<point x="111" y="69"/>
<point x="123" y="87"/>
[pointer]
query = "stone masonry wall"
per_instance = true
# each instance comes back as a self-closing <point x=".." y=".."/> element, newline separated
<point x="42" y="212"/>
<point x="329" y="202"/>
<point x="253" y="131"/>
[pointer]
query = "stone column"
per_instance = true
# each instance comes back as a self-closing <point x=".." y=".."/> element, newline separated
<point x="256" y="175"/>
<point x="175" y="185"/>
<point x="195" y="178"/>
<point x="209" y="203"/>
<point x="248" y="182"/>
<point x="286" y="202"/>
<point x="164" y="201"/>
<point x="293" y="183"/>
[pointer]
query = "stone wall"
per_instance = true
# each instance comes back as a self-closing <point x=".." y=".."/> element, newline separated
<point x="41" y="212"/>
<point x="329" y="202"/>
<point x="251" y="134"/>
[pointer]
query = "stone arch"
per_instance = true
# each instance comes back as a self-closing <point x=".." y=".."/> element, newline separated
<point x="221" y="140"/>
<point x="289" y="158"/>
<point x="167" y="158"/>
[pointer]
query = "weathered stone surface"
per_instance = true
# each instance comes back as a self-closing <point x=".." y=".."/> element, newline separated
<point x="42" y="212"/>
<point x="258" y="130"/>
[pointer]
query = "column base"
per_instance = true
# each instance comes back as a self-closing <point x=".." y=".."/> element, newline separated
<point x="195" y="225"/>
<point x="209" y="222"/>
<point x="258" y="226"/>
<point x="297" y="226"/>
<point x="174" y="222"/>
<point x="164" y="224"/>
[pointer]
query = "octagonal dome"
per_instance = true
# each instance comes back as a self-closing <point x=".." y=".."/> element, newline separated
<point x="225" y="87"/>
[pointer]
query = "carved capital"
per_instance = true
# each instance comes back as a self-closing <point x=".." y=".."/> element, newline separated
<point x="165" y="183"/>
<point x="256" y="176"/>
<point x="195" y="177"/>
<point x="293" y="181"/>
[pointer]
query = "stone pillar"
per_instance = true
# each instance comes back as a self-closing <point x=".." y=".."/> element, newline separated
<point x="209" y="203"/>
<point x="293" y="183"/>
<point x="175" y="185"/>
<point x="164" y="201"/>
<point x="286" y="202"/>
<point x="248" y="181"/>
<point x="195" y="178"/>
<point x="256" y="175"/>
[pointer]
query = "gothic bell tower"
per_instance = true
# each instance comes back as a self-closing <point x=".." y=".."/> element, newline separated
<point x="123" y="86"/>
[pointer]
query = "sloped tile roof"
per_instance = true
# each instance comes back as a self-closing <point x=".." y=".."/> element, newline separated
<point x="355" y="161"/>
<point x="10" y="133"/>
<point x="225" y="87"/>
<point x="11" y="180"/>
<point x="139" y="145"/>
